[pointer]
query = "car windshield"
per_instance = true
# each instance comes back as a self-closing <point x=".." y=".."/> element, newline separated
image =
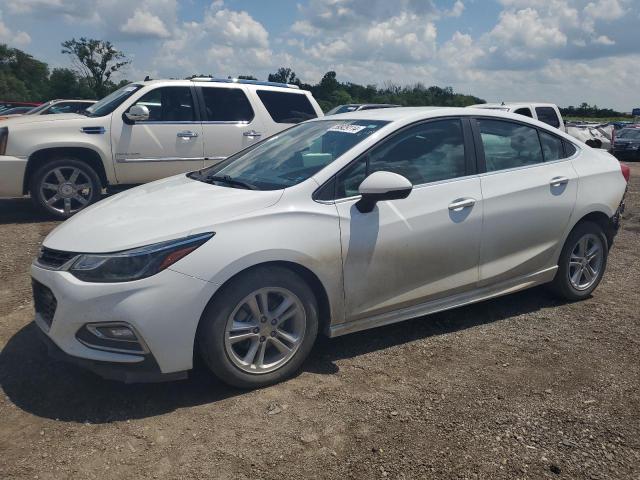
<point x="291" y="156"/>
<point x="112" y="101"/>
<point x="630" y="133"/>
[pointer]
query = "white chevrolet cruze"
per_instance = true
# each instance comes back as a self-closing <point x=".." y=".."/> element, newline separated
<point x="334" y="225"/>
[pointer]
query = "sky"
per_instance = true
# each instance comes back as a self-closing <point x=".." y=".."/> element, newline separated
<point x="561" y="51"/>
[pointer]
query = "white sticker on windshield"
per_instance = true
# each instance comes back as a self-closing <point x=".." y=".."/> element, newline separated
<point x="345" y="128"/>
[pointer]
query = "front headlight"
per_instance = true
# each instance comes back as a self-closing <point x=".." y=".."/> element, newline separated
<point x="134" y="264"/>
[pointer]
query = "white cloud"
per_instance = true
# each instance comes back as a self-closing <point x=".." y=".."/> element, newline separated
<point x="604" y="40"/>
<point x="13" y="38"/>
<point x="605" y="10"/>
<point x="145" y="24"/>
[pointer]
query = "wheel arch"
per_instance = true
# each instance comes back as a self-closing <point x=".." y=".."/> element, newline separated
<point x="313" y="281"/>
<point x="84" y="154"/>
<point x="602" y="220"/>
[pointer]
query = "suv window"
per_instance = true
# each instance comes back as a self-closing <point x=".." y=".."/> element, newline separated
<point x="287" y="107"/>
<point x="424" y="153"/>
<point x="548" y="115"/>
<point x="169" y="104"/>
<point x="226" y="105"/>
<point x="526" y="111"/>
<point x="509" y="145"/>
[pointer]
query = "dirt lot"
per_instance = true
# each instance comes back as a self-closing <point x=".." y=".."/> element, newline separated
<point x="519" y="387"/>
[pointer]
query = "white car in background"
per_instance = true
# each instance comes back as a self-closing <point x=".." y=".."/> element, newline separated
<point x="142" y="132"/>
<point x="335" y="225"/>
<point x="61" y="106"/>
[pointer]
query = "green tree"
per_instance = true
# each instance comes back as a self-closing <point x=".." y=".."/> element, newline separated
<point x="95" y="60"/>
<point x="22" y="77"/>
<point x="284" y="75"/>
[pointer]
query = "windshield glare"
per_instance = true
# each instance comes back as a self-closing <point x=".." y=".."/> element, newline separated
<point x="112" y="101"/>
<point x="294" y="155"/>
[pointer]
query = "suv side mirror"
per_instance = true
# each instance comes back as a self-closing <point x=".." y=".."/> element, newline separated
<point x="137" y="113"/>
<point x="381" y="186"/>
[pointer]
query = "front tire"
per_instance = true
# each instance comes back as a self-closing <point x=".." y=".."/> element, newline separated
<point x="582" y="262"/>
<point x="259" y="328"/>
<point x="63" y="187"/>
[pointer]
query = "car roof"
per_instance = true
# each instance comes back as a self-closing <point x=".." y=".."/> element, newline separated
<point x="223" y="81"/>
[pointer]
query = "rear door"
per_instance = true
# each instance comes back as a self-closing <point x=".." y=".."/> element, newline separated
<point x="229" y="122"/>
<point x="169" y="142"/>
<point x="529" y="192"/>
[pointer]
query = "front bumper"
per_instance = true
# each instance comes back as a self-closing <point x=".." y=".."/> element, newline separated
<point x="12" y="175"/>
<point x="164" y="310"/>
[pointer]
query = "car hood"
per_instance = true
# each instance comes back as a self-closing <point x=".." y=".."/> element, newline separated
<point x="164" y="210"/>
<point x="30" y="119"/>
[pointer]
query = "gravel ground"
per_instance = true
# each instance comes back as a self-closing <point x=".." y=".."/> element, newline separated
<point x="523" y="386"/>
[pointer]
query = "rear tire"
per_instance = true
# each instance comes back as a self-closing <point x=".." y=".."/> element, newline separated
<point x="582" y="262"/>
<point x="64" y="186"/>
<point x="259" y="328"/>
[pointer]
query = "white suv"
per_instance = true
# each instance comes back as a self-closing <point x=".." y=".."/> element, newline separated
<point x="336" y="225"/>
<point x="142" y="132"/>
<point x="548" y="113"/>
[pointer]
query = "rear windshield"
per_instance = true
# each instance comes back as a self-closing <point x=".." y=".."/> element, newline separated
<point x="285" y="107"/>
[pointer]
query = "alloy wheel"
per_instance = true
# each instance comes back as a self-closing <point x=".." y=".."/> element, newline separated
<point x="66" y="190"/>
<point x="265" y="330"/>
<point x="585" y="262"/>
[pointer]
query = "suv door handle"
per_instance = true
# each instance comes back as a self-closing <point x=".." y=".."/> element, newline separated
<point x="187" y="134"/>
<point x="252" y="133"/>
<point x="557" y="181"/>
<point x="462" y="203"/>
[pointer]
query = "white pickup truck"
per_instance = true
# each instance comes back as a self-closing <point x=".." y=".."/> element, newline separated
<point x="548" y="113"/>
<point x="139" y="133"/>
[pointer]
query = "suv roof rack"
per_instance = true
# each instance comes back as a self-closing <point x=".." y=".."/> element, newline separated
<point x="248" y="82"/>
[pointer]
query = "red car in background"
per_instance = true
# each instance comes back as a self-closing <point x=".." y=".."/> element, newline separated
<point x="6" y="105"/>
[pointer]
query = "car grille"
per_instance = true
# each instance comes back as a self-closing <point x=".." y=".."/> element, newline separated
<point x="54" y="259"/>
<point x="44" y="301"/>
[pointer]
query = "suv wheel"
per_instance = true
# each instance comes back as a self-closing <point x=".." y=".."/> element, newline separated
<point x="64" y="187"/>
<point x="260" y="328"/>
<point x="582" y="262"/>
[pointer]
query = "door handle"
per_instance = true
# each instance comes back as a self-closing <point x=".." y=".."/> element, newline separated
<point x="187" y="134"/>
<point x="462" y="203"/>
<point x="252" y="133"/>
<point x="557" y="181"/>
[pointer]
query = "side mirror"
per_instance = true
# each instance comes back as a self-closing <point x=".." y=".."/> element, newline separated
<point x="137" y="113"/>
<point x="381" y="186"/>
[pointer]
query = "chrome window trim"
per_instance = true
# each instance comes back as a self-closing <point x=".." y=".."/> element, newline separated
<point x="159" y="122"/>
<point x="164" y="159"/>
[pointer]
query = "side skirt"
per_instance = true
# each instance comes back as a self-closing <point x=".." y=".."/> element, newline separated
<point x="448" y="303"/>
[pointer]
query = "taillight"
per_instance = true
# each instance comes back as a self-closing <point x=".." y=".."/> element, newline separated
<point x="626" y="171"/>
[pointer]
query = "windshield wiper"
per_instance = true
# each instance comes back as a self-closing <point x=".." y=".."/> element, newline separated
<point x="230" y="181"/>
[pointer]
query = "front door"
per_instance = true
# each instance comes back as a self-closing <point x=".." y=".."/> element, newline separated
<point x="424" y="247"/>
<point x="529" y="193"/>
<point x="170" y="142"/>
<point x="228" y="121"/>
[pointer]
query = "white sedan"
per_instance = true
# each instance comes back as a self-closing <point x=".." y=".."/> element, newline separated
<point x="333" y="226"/>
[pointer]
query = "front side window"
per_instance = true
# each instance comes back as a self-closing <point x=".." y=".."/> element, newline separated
<point x="169" y="104"/>
<point x="226" y="105"/>
<point x="526" y="111"/>
<point x="425" y="153"/>
<point x="291" y="156"/>
<point x="548" y="115"/>
<point x="285" y="107"/>
<point x="509" y="145"/>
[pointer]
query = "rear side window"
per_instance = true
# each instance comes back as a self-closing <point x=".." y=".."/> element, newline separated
<point x="551" y="147"/>
<point x="226" y="105"/>
<point x="548" y="115"/>
<point x="287" y="107"/>
<point x="524" y="111"/>
<point x="509" y="145"/>
<point x="569" y="149"/>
